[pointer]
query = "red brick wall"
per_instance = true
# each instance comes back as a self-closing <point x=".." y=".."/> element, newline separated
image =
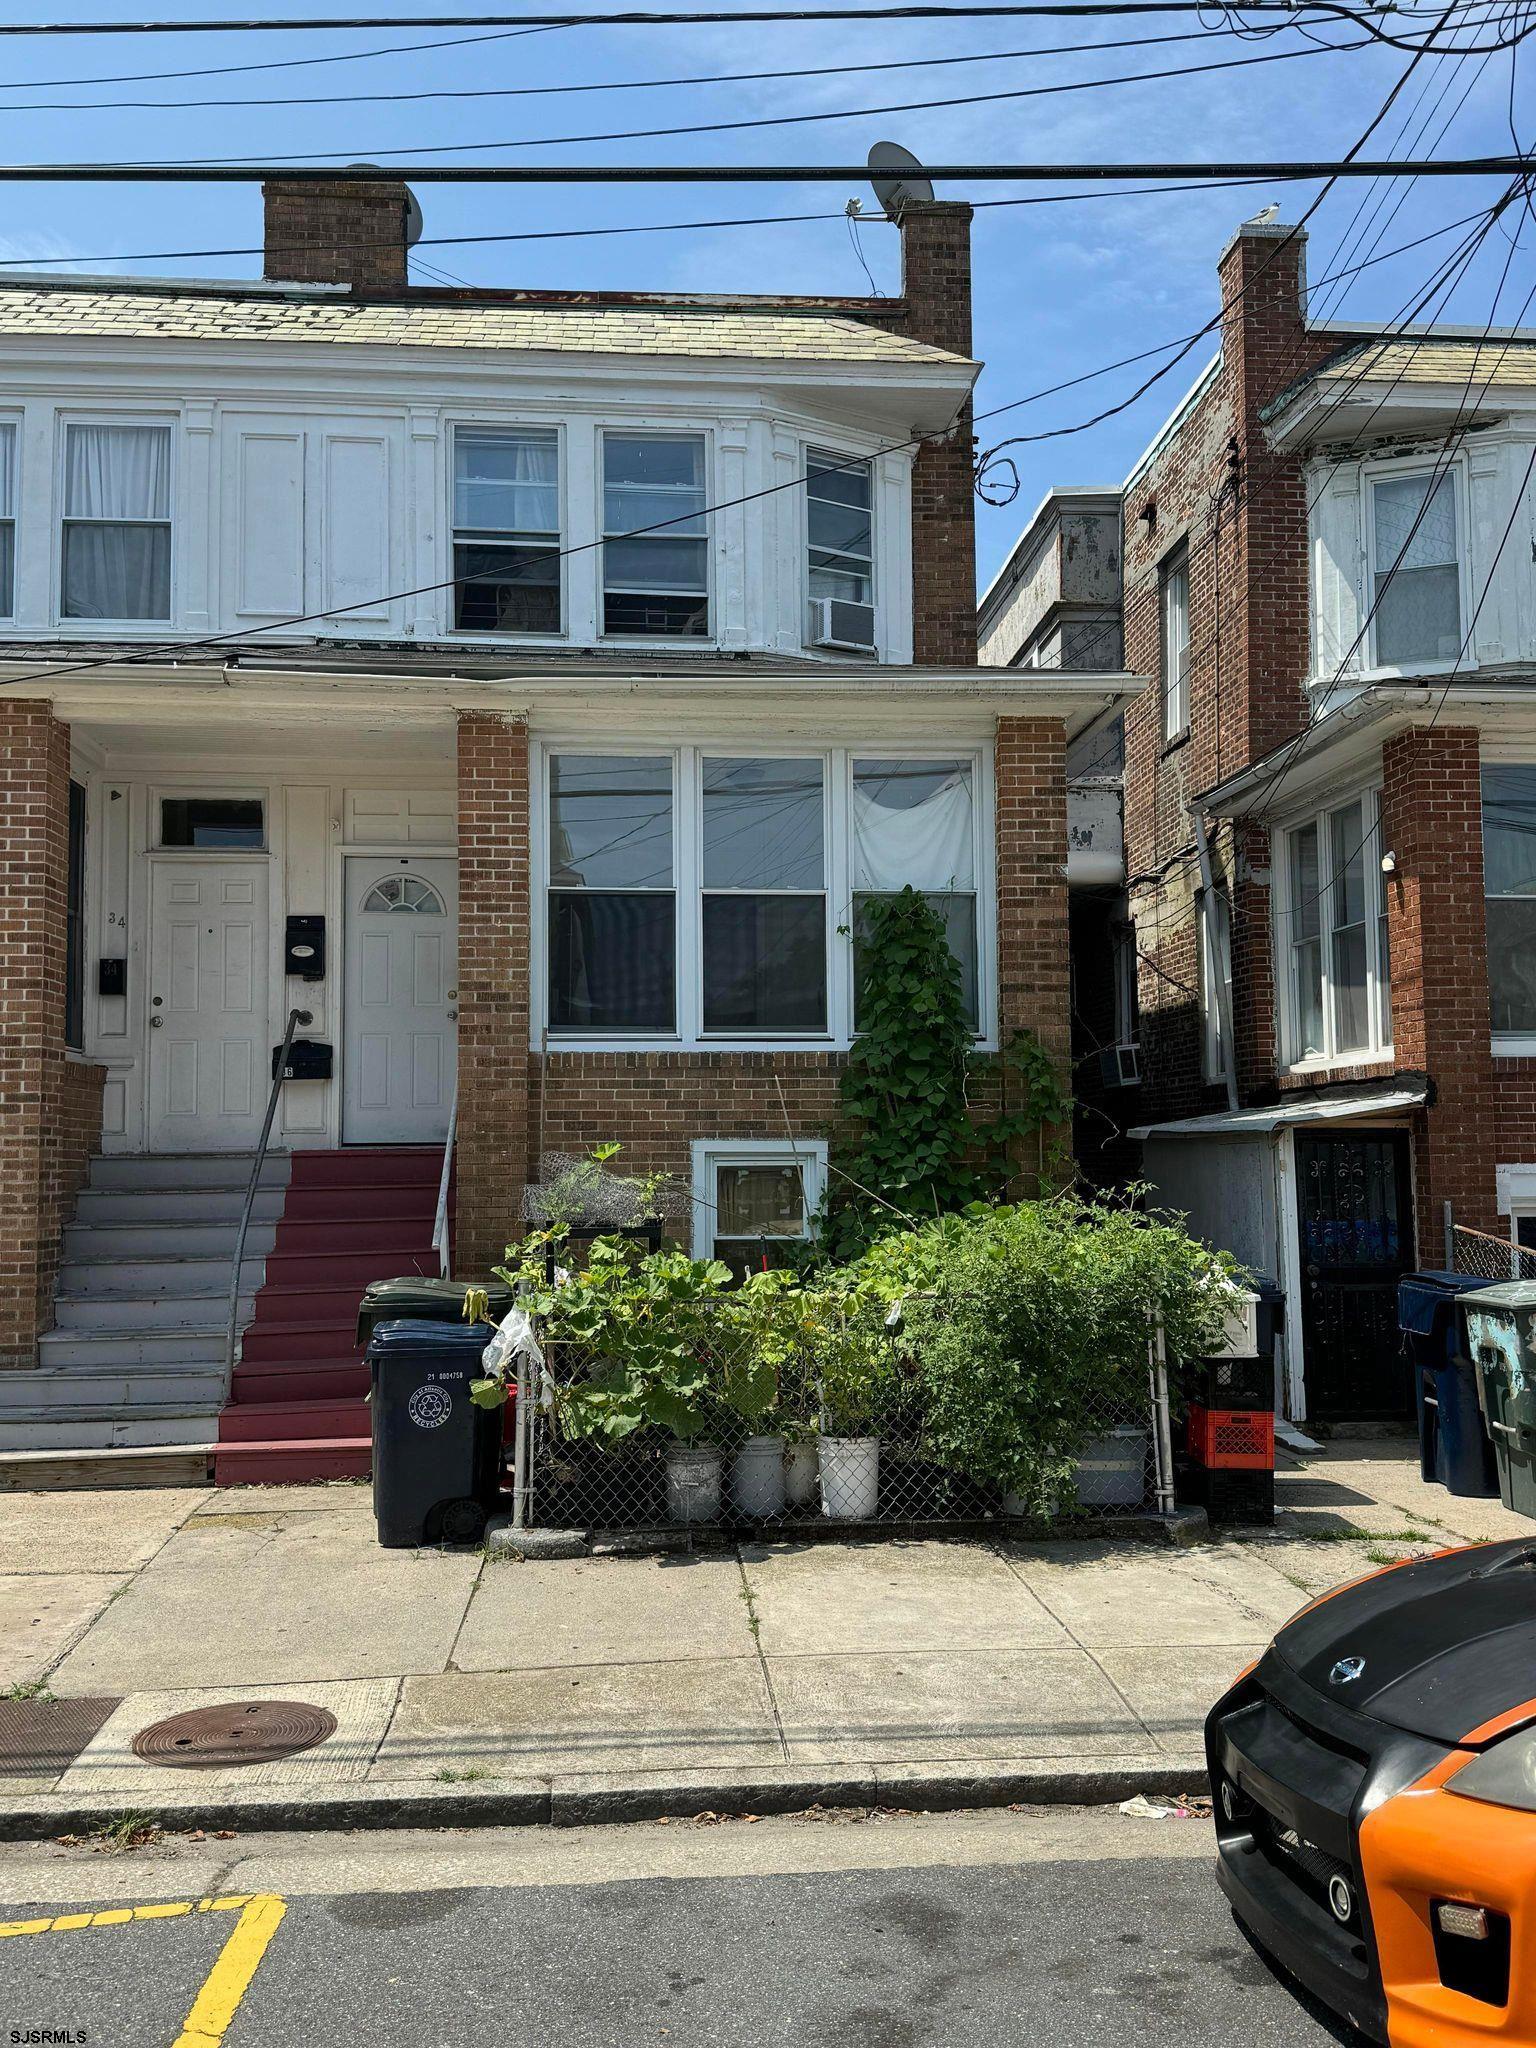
<point x="47" y="1123"/>
<point x="341" y="233"/>
<point x="492" y="1144"/>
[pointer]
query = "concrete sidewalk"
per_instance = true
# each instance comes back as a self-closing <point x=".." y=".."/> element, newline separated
<point x="908" y="1673"/>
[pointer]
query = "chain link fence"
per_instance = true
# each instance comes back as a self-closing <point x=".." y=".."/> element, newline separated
<point x="771" y="1455"/>
<point x="1494" y="1259"/>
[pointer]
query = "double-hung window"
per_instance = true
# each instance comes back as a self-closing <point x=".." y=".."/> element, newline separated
<point x="506" y="529"/>
<point x="1173" y="614"/>
<point x="1509" y="884"/>
<point x="764" y="909"/>
<point x="913" y="826"/>
<point x="705" y="895"/>
<point x="117" y="522"/>
<point x="655" y="535"/>
<point x="1335" y="951"/>
<point x="1416" y="593"/>
<point x="840" y="539"/>
<point x="7" y="519"/>
<point x="612" y="917"/>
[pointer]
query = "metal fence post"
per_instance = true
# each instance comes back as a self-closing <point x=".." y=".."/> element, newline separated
<point x="1450" y="1238"/>
<point x="1162" y="1423"/>
<point x="522" y="1424"/>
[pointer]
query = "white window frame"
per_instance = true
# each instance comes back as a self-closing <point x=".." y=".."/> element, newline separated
<point x="118" y="629"/>
<point x="710" y="1154"/>
<point x="1175" y="691"/>
<point x="15" y="421"/>
<point x="1399" y="470"/>
<point x="687" y="871"/>
<point x="563" y="543"/>
<point x="1508" y="1045"/>
<point x="848" y="459"/>
<point x="1379" y="1045"/>
<point x="194" y="790"/>
<point x="655" y="430"/>
<point x="1214" y="915"/>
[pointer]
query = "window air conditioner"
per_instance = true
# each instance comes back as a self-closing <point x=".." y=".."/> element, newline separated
<point x="835" y="622"/>
<point x="1120" y="1066"/>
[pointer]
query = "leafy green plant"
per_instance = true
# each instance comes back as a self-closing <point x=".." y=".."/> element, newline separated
<point x="919" y="1147"/>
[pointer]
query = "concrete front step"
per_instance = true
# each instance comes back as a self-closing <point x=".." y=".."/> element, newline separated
<point x="89" y="1430"/>
<point x="392" y="1198"/>
<point x="173" y="1206"/>
<point x="197" y="1344"/>
<point x="368" y="1166"/>
<point x="276" y="1462"/>
<point x="295" y="1422"/>
<point x="147" y="1312"/>
<point x="92" y="1470"/>
<point x="164" y="1277"/>
<point x="292" y="1339"/>
<point x="261" y="1383"/>
<point x="139" y="1170"/>
<point x="88" y="1243"/>
<point x="53" y="1390"/>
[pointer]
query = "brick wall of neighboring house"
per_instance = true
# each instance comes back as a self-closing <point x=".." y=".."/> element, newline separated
<point x="317" y="232"/>
<point x="45" y="1100"/>
<point x="1215" y="488"/>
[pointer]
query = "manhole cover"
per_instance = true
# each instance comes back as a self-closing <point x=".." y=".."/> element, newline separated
<point x="243" y="1732"/>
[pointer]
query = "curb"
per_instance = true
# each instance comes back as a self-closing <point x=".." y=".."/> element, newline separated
<point x="608" y="1799"/>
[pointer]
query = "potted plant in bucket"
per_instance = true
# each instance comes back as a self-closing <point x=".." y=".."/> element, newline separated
<point x="852" y="1359"/>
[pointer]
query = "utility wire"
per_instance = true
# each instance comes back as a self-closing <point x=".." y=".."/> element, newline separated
<point x="1331" y="168"/>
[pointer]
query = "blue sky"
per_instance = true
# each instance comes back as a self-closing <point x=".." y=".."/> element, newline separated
<point x="1060" y="288"/>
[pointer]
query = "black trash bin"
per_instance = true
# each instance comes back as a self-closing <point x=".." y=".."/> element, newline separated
<point x="1455" y="1449"/>
<point x="420" y="1299"/>
<point x="436" y="1456"/>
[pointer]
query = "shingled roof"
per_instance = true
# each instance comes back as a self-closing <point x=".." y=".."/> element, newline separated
<point x="750" y="333"/>
<point x="1414" y="360"/>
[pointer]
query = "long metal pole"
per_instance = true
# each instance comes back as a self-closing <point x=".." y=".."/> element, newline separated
<point x="232" y="1331"/>
<point x="1161" y="1422"/>
<point x="747" y="174"/>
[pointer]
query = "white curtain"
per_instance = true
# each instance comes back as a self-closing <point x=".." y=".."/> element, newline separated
<point x="929" y="845"/>
<point x="7" y="472"/>
<point x="117" y="535"/>
<point x="506" y="482"/>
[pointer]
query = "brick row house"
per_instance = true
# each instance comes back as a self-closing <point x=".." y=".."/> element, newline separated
<point x="1330" y="807"/>
<point x="526" y="687"/>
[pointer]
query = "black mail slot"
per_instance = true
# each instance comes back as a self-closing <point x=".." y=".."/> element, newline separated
<point x="304" y="948"/>
<point x="111" y="977"/>
<point x="308" y="1060"/>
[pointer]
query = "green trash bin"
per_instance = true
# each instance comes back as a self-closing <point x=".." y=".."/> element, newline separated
<point x="414" y="1298"/>
<point x="1499" y="1331"/>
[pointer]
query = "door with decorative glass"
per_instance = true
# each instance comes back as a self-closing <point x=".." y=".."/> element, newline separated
<point x="400" y="1000"/>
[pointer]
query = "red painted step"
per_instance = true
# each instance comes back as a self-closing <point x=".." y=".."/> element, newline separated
<point x="278" y="1341"/>
<point x="282" y="1462"/>
<point x="301" y="1236"/>
<point x="278" y="1380"/>
<point x="368" y="1166"/>
<point x="295" y="1422"/>
<point x="393" y="1198"/>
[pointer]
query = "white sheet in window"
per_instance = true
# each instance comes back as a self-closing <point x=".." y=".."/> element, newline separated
<point x="118" y="473"/>
<point x="927" y="845"/>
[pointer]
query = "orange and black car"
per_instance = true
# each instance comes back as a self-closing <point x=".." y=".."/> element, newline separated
<point x="1374" y="1780"/>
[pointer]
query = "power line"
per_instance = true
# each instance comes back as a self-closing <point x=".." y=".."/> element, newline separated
<point x="753" y="174"/>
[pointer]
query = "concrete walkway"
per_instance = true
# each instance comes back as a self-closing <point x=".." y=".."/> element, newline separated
<point x="904" y="1672"/>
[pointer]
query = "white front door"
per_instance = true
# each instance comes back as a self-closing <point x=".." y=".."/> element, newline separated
<point x="209" y="1029"/>
<point x="399" y="1009"/>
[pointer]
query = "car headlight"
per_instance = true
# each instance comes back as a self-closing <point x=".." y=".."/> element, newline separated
<point x="1503" y="1776"/>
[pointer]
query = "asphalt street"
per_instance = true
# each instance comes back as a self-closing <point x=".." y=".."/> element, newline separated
<point x="1078" y="1930"/>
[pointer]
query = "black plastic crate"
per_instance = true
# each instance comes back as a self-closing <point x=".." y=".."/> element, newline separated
<point x="1235" y="1382"/>
<point x="1230" y="1496"/>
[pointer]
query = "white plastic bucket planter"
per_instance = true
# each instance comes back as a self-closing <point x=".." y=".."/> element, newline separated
<point x="1112" y="1470"/>
<point x="757" y="1478"/>
<point x="800" y="1475"/>
<point x="693" y="1483"/>
<point x="850" y="1476"/>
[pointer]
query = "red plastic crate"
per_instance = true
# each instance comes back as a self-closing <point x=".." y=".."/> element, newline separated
<point x="1232" y="1439"/>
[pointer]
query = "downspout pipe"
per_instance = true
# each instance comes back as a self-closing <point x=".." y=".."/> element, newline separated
<point x="1223" y="990"/>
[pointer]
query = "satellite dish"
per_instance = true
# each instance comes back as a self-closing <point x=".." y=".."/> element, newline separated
<point x="412" y="204"/>
<point x="890" y="169"/>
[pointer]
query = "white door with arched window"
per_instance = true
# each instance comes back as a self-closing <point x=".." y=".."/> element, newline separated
<point x="400" y="1007"/>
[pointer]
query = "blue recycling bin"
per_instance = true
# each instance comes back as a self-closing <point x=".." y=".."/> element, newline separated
<point x="1455" y="1449"/>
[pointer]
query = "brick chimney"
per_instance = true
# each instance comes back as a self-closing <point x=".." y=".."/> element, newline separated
<point x="936" y="308"/>
<point x="334" y="231"/>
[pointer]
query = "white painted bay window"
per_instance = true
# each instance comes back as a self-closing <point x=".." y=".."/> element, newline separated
<point x="655" y="536"/>
<point x="117" y="522"/>
<point x="706" y="895"/>
<point x="506" y="529"/>
<point x="1333" y="918"/>
<point x="1509" y="885"/>
<point x="7" y="519"/>
<point x="1416" y="591"/>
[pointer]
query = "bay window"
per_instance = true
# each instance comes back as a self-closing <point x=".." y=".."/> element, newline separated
<point x="706" y="894"/>
<point x="612" y="909"/>
<point x="117" y="523"/>
<point x="506" y="529"/>
<point x="655" y="545"/>
<point x="1416" y="592"/>
<point x="840" y="539"/>
<point x="1509" y="885"/>
<point x="1333" y="916"/>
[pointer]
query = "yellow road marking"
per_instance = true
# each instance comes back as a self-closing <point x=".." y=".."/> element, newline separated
<point x="229" y="1979"/>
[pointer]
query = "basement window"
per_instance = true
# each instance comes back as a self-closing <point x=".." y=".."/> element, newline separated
<point x="754" y="1199"/>
<point x="212" y="821"/>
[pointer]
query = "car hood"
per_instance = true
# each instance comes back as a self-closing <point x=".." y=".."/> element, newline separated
<point x="1442" y="1646"/>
